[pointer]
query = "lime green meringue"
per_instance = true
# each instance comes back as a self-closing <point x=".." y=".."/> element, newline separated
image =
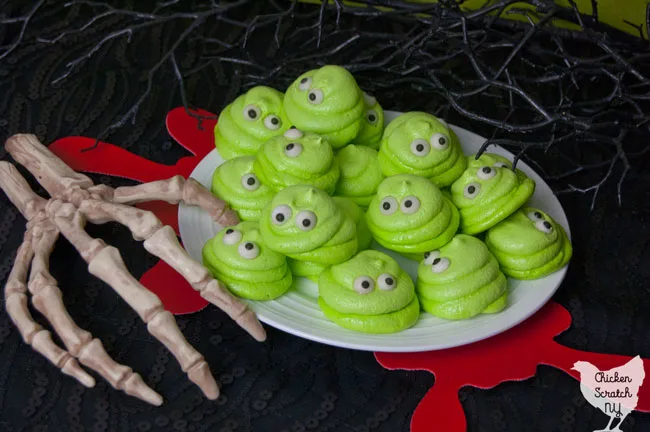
<point x="410" y="215"/>
<point x="372" y="125"/>
<point x="421" y="144"/>
<point x="529" y="244"/>
<point x="461" y="280"/>
<point x="305" y="224"/>
<point x="251" y="120"/>
<point x="488" y="192"/>
<point x="328" y="102"/>
<point x="238" y="257"/>
<point x="297" y="158"/>
<point x="235" y="182"/>
<point x="369" y="293"/>
<point x="349" y="207"/>
<point x="360" y="174"/>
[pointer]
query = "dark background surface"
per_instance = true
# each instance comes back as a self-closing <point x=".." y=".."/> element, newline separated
<point x="286" y="383"/>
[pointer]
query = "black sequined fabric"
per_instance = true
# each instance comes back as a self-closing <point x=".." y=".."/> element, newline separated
<point x="286" y="383"/>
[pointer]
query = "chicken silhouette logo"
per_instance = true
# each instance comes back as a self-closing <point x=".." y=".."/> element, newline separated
<point x="614" y="392"/>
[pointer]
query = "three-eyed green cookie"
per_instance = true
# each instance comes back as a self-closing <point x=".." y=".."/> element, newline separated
<point x="238" y="257"/>
<point x="488" y="192"/>
<point x="461" y="280"/>
<point x="235" y="182"/>
<point x="249" y="121"/>
<point x="411" y="216"/>
<point x="297" y="158"/>
<point x="328" y="102"/>
<point x="370" y="293"/>
<point x="422" y="144"/>
<point x="307" y="225"/>
<point x="372" y="125"/>
<point x="360" y="174"/>
<point x="529" y="244"/>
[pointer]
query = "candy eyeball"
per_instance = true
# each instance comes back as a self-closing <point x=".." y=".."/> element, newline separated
<point x="420" y="147"/>
<point x="386" y="282"/>
<point x="232" y="236"/>
<point x="486" y="173"/>
<point x="293" y="150"/>
<point x="429" y="257"/>
<point x="439" y="265"/>
<point x="272" y="122"/>
<point x="293" y="133"/>
<point x="250" y="182"/>
<point x="410" y="205"/>
<point x="471" y="190"/>
<point x="388" y="206"/>
<point x="252" y="112"/>
<point x="535" y="216"/>
<point x="439" y="141"/>
<point x="281" y="214"/>
<point x="372" y="117"/>
<point x="315" y="96"/>
<point x="364" y="285"/>
<point x="248" y="250"/>
<point x="544" y="226"/>
<point x="306" y="220"/>
<point x="304" y="84"/>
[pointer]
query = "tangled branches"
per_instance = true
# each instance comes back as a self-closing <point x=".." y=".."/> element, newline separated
<point x="573" y="103"/>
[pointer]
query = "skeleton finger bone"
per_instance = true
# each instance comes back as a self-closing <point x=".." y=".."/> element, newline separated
<point x="31" y="332"/>
<point x="174" y="190"/>
<point x="47" y="299"/>
<point x="161" y="241"/>
<point x="106" y="263"/>
<point x="19" y="192"/>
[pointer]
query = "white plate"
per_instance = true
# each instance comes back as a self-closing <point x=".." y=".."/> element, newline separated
<point x="297" y="311"/>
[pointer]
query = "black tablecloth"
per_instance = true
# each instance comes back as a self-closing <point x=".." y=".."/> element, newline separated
<point x="286" y="383"/>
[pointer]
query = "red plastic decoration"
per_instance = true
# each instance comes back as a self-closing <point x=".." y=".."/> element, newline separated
<point x="510" y="356"/>
<point x="194" y="135"/>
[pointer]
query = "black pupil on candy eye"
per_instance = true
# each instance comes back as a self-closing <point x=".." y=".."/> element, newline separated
<point x="248" y="246"/>
<point x="538" y="215"/>
<point x="312" y="96"/>
<point x="292" y="127"/>
<point x="304" y="80"/>
<point x="372" y="117"/>
<point x="426" y="255"/>
<point x="386" y="206"/>
<point x="419" y="147"/>
<point x="252" y="113"/>
<point x="228" y="231"/>
<point x="436" y="261"/>
<point x="279" y="217"/>
<point x="442" y="141"/>
<point x="408" y="203"/>
<point x="487" y="170"/>
<point x="250" y="181"/>
<point x="471" y="189"/>
<point x="289" y="146"/>
<point x="306" y="222"/>
<point x="547" y="225"/>
<point x="275" y="120"/>
<point x="389" y="281"/>
<point x="365" y="284"/>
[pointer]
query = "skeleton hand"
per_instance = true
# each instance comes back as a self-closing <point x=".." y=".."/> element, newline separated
<point x="75" y="200"/>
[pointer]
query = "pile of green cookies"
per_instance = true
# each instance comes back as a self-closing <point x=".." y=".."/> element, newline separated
<point x="315" y="177"/>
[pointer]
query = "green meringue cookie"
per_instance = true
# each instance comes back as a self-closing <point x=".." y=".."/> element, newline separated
<point x="364" y="235"/>
<point x="235" y="182"/>
<point x="421" y="144"/>
<point x="297" y="158"/>
<point x="307" y="225"/>
<point x="248" y="122"/>
<point x="411" y="216"/>
<point x="372" y="125"/>
<point x="360" y="174"/>
<point x="488" y="192"/>
<point x="461" y="280"/>
<point x="529" y="244"/>
<point x="238" y="257"/>
<point x="370" y="293"/>
<point x="328" y="102"/>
